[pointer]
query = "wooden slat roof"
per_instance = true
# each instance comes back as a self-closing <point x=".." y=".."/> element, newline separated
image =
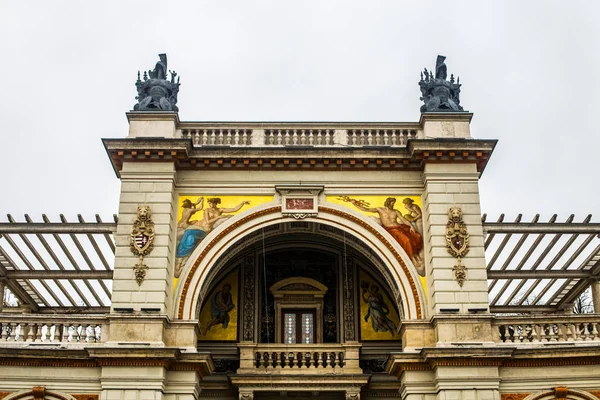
<point x="533" y="266"/>
<point x="58" y="265"/>
<point x="538" y="266"/>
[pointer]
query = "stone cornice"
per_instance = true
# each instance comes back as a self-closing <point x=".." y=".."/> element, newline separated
<point x="445" y="116"/>
<point x="413" y="156"/>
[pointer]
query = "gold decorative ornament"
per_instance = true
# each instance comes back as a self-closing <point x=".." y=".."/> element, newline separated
<point x="141" y="240"/>
<point x="457" y="242"/>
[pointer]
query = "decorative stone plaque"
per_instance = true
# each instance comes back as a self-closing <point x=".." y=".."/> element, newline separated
<point x="142" y="240"/>
<point x="300" y="201"/>
<point x="457" y="242"/>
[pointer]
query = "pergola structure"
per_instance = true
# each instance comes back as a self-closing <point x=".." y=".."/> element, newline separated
<point x="58" y="266"/>
<point x="533" y="267"/>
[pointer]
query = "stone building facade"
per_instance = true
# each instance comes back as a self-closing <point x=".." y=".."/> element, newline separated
<point x="322" y="260"/>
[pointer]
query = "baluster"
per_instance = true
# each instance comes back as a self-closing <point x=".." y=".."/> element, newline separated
<point x="291" y="359"/>
<point x="535" y="333"/>
<point x="594" y="331"/>
<point x="510" y="330"/>
<point x="31" y="333"/>
<point x="544" y="333"/>
<point x="38" y="332"/>
<point x="360" y="137"/>
<point x="58" y="333"/>
<point x="569" y="334"/>
<point x="560" y="332"/>
<point x="274" y="360"/>
<point x="236" y="137"/>
<point x="285" y="140"/>
<point x="369" y="138"/>
<point x="552" y="332"/>
<point x="283" y="358"/>
<point x="316" y="359"/>
<point x="587" y="330"/>
<point x="332" y="359"/>
<point x="307" y="359"/>
<point x="265" y="359"/>
<point x="295" y="138"/>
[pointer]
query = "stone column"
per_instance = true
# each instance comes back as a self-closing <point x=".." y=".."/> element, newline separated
<point x="144" y="307"/>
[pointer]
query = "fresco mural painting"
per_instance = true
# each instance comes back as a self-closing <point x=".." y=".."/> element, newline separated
<point x="378" y="318"/>
<point x="405" y="226"/>
<point x="218" y="315"/>
<point x="193" y="227"/>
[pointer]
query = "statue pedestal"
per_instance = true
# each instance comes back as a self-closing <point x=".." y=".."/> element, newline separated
<point x="446" y="124"/>
<point x="146" y="124"/>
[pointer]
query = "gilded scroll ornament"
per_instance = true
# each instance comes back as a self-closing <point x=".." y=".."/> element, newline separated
<point x="141" y="240"/>
<point x="457" y="242"/>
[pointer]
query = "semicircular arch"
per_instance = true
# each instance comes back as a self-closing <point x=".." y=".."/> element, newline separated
<point x="202" y="264"/>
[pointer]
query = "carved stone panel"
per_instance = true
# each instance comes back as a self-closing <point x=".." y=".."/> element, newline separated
<point x="348" y="297"/>
<point x="248" y="314"/>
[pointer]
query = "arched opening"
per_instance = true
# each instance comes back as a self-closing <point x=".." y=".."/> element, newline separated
<point x="333" y="229"/>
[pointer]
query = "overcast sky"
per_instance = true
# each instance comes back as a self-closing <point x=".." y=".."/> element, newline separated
<point x="528" y="69"/>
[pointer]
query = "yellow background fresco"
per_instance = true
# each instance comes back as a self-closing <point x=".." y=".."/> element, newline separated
<point x="217" y="332"/>
<point x="366" y="327"/>
<point x="378" y="201"/>
<point x="226" y="202"/>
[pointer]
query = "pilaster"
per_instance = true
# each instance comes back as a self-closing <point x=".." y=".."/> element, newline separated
<point x="453" y="185"/>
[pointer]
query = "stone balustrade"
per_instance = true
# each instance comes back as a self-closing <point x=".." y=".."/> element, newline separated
<point x="300" y="135"/>
<point x="547" y="328"/>
<point x="52" y="329"/>
<point x="282" y="358"/>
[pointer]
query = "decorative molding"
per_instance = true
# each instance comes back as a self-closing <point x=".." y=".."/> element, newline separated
<point x="4" y="394"/>
<point x="86" y="396"/>
<point x="513" y="396"/>
<point x="249" y="299"/>
<point x="142" y="240"/>
<point x="348" y="307"/>
<point x="299" y="201"/>
<point x="457" y="242"/>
